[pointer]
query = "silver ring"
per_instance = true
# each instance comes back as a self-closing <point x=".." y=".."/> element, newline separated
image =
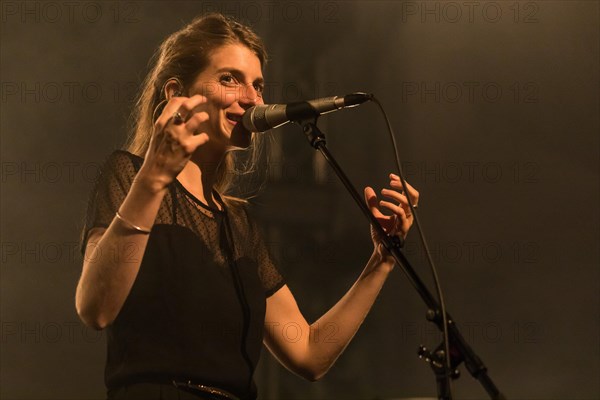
<point x="177" y="118"/>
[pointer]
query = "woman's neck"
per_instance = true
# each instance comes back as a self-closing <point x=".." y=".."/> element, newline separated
<point x="199" y="176"/>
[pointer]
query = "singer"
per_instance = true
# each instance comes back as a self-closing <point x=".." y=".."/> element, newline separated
<point x="175" y="269"/>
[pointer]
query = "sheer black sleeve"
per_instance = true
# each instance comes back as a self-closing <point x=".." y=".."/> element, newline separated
<point x="271" y="278"/>
<point x="109" y="191"/>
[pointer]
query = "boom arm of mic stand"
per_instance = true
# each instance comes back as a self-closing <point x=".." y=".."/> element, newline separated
<point x="393" y="244"/>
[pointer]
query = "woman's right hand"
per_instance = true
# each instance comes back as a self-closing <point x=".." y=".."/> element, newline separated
<point x="173" y="142"/>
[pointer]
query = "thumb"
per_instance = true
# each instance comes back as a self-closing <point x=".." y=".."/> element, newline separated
<point x="372" y="202"/>
<point x="370" y="197"/>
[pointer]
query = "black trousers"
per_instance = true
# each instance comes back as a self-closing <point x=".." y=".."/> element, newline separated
<point x="156" y="391"/>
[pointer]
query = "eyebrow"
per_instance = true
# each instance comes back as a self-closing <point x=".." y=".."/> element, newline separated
<point x="240" y="73"/>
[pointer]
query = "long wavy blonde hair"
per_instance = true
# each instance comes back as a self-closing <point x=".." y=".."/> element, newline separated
<point x="183" y="55"/>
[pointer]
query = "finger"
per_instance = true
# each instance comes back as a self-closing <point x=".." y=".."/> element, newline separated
<point x="402" y="221"/>
<point x="191" y="143"/>
<point x="396" y="209"/>
<point x="372" y="202"/>
<point x="194" y="123"/>
<point x="412" y="192"/>
<point x="167" y="112"/>
<point x="407" y="221"/>
<point x="392" y="194"/>
<point x="370" y="197"/>
<point x="405" y="217"/>
<point x="184" y="105"/>
<point x="191" y="105"/>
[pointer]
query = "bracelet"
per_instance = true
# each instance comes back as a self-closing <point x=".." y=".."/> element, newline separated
<point x="135" y="227"/>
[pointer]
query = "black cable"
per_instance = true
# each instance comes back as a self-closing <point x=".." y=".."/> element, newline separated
<point x="239" y="289"/>
<point x="413" y="210"/>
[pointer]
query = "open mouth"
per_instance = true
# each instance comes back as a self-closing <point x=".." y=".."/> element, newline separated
<point x="234" y="118"/>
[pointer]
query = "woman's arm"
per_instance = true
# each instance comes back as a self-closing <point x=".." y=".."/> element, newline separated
<point x="113" y="256"/>
<point x="311" y="350"/>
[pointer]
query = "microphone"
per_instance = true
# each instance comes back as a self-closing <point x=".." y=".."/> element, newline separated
<point x="263" y="117"/>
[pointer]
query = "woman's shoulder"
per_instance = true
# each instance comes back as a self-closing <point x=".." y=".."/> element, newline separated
<point x="120" y="156"/>
<point x="121" y="162"/>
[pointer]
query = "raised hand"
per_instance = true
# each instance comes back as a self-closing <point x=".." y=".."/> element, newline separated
<point x="178" y="132"/>
<point x="401" y="219"/>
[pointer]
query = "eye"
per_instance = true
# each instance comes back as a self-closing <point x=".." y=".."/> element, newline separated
<point x="228" y="80"/>
<point x="260" y="88"/>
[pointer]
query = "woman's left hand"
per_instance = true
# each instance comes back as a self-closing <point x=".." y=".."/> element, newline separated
<point x="401" y="219"/>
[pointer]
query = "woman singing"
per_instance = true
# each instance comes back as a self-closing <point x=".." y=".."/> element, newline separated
<point x="175" y="269"/>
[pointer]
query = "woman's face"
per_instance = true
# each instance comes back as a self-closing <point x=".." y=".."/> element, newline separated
<point x="232" y="83"/>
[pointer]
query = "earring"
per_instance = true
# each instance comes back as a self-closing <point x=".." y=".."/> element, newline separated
<point x="163" y="102"/>
<point x="159" y="106"/>
<point x="177" y="93"/>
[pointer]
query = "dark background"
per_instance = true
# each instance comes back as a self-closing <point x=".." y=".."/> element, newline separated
<point x="495" y="108"/>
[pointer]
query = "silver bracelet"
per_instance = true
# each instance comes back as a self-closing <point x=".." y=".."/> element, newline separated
<point x="135" y="227"/>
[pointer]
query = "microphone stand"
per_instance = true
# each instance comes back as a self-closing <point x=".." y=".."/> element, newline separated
<point x="460" y="351"/>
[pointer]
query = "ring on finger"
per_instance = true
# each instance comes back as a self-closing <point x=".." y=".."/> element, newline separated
<point x="177" y="118"/>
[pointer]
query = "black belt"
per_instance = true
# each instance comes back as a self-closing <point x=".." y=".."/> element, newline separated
<point x="216" y="393"/>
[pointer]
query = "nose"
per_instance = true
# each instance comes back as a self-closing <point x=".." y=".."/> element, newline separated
<point x="249" y="96"/>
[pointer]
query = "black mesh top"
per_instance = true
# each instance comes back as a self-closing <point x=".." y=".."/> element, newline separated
<point x="194" y="312"/>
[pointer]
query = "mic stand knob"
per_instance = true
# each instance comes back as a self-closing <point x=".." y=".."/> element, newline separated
<point x="435" y="360"/>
